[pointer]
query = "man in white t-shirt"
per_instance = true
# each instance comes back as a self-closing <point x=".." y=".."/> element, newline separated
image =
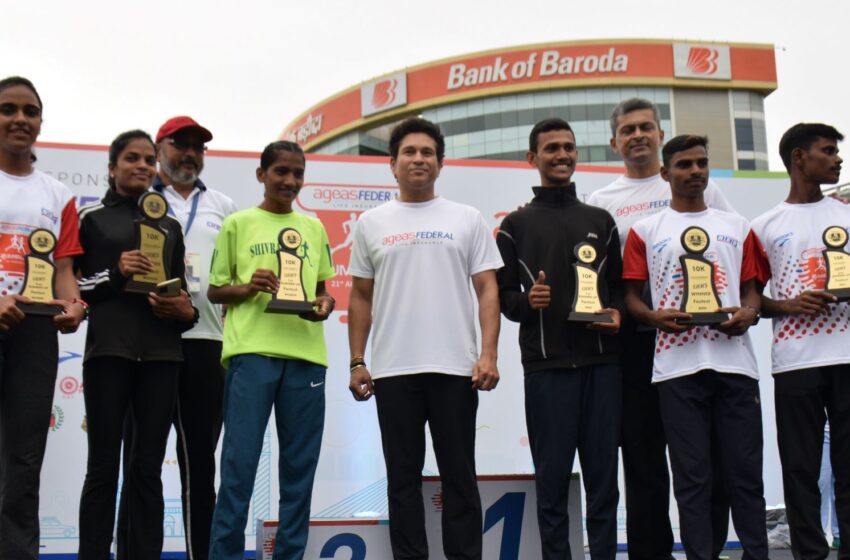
<point x="412" y="262"/>
<point x="811" y="332"/>
<point x="636" y="135"/>
<point x="706" y="374"/>
<point x="181" y="144"/>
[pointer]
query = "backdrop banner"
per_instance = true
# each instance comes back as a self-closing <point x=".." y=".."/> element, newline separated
<point x="350" y="476"/>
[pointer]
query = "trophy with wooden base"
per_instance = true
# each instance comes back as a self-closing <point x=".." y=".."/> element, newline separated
<point x="40" y="275"/>
<point x="586" y="300"/>
<point x="290" y="296"/>
<point x="837" y="262"/>
<point x="152" y="240"/>
<point x="700" y="298"/>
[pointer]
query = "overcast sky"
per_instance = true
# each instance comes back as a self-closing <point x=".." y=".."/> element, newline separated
<point x="245" y="69"/>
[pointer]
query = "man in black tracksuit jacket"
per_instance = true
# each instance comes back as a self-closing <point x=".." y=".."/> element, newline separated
<point x="572" y="376"/>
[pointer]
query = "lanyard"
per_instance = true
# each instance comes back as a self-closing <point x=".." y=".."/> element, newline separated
<point x="192" y="213"/>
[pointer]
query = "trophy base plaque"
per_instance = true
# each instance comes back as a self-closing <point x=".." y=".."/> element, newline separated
<point x="43" y="309"/>
<point x="589" y="317"/>
<point x="290" y="307"/>
<point x="704" y="319"/>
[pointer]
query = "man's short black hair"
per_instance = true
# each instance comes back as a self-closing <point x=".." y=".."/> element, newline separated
<point x="633" y="104"/>
<point x="803" y="135"/>
<point x="412" y="126"/>
<point x="546" y="125"/>
<point x="680" y="144"/>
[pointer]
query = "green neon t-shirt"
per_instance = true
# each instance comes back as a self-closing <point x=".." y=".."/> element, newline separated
<point x="249" y="241"/>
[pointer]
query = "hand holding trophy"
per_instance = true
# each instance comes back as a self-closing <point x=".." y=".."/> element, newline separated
<point x="700" y="298"/>
<point x="40" y="275"/>
<point x="587" y="301"/>
<point x="152" y="241"/>
<point x="290" y="296"/>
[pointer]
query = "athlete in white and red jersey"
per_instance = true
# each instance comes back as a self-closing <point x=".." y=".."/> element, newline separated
<point x="707" y="378"/>
<point x="652" y="252"/>
<point x="811" y="340"/>
<point x="29" y="352"/>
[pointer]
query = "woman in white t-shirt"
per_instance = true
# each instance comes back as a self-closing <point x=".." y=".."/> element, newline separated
<point x="29" y="354"/>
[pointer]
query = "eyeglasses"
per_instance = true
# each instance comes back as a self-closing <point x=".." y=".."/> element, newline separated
<point x="183" y="145"/>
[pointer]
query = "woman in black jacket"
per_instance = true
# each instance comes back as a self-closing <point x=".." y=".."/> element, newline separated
<point x="132" y="354"/>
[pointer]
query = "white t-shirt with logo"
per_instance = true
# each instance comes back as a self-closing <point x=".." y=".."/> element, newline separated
<point x="213" y="207"/>
<point x="27" y="203"/>
<point x="792" y="237"/>
<point x="421" y="256"/>
<point x="629" y="200"/>
<point x="652" y="254"/>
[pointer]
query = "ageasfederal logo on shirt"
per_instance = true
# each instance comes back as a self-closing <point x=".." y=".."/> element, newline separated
<point x="418" y="238"/>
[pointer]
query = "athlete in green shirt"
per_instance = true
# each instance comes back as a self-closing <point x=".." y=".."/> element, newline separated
<point x="272" y="359"/>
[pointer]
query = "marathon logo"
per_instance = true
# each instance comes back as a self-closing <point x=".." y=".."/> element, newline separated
<point x="551" y="64"/>
<point x="344" y="197"/>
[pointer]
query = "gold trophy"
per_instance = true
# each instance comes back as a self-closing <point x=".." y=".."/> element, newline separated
<point x="837" y="262"/>
<point x="152" y="240"/>
<point x="700" y="298"/>
<point x="586" y="301"/>
<point x="40" y="275"/>
<point x="290" y="296"/>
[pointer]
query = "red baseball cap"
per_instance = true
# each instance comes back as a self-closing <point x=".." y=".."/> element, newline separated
<point x="175" y="124"/>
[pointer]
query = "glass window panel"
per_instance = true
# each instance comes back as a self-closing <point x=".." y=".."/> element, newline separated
<point x="509" y="118"/>
<point x="579" y="127"/>
<point x="492" y="134"/>
<point x="596" y="138"/>
<point x="475" y="123"/>
<point x="744" y="134"/>
<point x="664" y="111"/>
<point x="493" y="147"/>
<point x="459" y="111"/>
<point x="747" y="164"/>
<point x="560" y="98"/>
<point x="578" y="97"/>
<point x="596" y="112"/>
<point x="594" y="96"/>
<point x="507" y="103"/>
<point x="491" y="106"/>
<point x="524" y="130"/>
<point x="541" y="113"/>
<point x="525" y="116"/>
<point x="597" y="153"/>
<point x="578" y="113"/>
<point x="525" y="101"/>
<point x="741" y="100"/>
<point x="542" y="99"/>
<point x="492" y="121"/>
<point x="461" y="140"/>
<point x="611" y="95"/>
<point x="583" y="153"/>
<point x="461" y="152"/>
<point x="475" y="107"/>
<point x="510" y="144"/>
<point x="476" y="137"/>
<point x="662" y="95"/>
<point x="598" y="126"/>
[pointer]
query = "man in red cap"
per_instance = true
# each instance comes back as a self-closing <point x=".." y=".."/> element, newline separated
<point x="181" y="144"/>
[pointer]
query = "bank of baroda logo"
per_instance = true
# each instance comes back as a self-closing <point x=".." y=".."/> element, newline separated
<point x="703" y="60"/>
